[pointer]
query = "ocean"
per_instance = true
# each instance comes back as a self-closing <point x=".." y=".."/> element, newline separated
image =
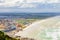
<point x="28" y="15"/>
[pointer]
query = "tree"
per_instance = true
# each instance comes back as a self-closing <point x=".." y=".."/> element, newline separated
<point x="6" y="37"/>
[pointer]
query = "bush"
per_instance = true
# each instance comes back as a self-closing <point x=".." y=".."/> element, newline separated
<point x="5" y="37"/>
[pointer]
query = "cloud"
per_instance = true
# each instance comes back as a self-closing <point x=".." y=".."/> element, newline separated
<point x="32" y="6"/>
<point x="42" y="1"/>
<point x="25" y="3"/>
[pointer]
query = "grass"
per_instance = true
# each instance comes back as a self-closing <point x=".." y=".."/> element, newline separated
<point x="25" y="21"/>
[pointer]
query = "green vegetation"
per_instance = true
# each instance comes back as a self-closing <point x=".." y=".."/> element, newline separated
<point x="5" y="37"/>
<point x="25" y="21"/>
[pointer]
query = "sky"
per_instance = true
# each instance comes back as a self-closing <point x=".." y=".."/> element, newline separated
<point x="32" y="6"/>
